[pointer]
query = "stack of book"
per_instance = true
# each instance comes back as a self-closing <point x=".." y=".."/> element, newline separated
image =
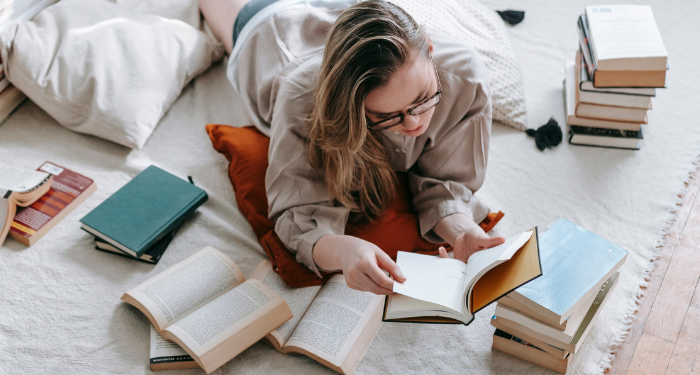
<point x="547" y="320"/>
<point x="141" y="218"/>
<point x="620" y="63"/>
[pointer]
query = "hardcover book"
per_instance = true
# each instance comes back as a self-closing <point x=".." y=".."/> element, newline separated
<point x="151" y="255"/>
<point x="517" y="347"/>
<point x="610" y="138"/>
<point x="584" y="328"/>
<point x="571" y="256"/>
<point x="67" y="191"/>
<point x="143" y="211"/>
<point x="444" y="290"/>
<point x="572" y="119"/>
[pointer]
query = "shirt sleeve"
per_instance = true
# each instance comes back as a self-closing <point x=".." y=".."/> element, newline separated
<point x="297" y="195"/>
<point x="453" y="165"/>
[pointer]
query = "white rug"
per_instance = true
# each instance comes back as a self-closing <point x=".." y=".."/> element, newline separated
<point x="59" y="306"/>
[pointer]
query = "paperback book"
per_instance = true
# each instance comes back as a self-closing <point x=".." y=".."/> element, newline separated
<point x="19" y="188"/>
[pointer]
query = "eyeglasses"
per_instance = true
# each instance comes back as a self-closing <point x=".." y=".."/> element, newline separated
<point x="416" y="110"/>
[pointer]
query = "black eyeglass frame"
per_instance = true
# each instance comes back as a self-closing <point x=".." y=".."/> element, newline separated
<point x="374" y="125"/>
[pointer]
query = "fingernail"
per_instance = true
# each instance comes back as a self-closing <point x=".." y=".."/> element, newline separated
<point x="401" y="275"/>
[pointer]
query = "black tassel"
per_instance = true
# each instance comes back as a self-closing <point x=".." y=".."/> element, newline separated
<point x="513" y="17"/>
<point x="547" y="135"/>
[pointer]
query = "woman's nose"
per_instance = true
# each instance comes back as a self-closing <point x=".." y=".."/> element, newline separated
<point x="411" y="122"/>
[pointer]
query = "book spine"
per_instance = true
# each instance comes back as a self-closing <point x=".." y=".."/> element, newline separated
<point x="589" y="42"/>
<point x="585" y="47"/>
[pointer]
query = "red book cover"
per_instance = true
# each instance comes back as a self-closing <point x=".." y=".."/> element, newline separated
<point x="68" y="190"/>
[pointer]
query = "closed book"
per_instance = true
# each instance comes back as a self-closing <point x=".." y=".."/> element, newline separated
<point x="151" y="255"/>
<point x="552" y="350"/>
<point x="565" y="335"/>
<point x="625" y="37"/>
<point x="631" y="79"/>
<point x="68" y="190"/>
<point x="522" y="331"/>
<point x="606" y="97"/>
<point x="609" y="138"/>
<point x="571" y="256"/>
<point x="509" y="344"/>
<point x="143" y="211"/>
<point x="570" y="102"/>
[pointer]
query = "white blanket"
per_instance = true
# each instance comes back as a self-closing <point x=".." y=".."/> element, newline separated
<point x="59" y="301"/>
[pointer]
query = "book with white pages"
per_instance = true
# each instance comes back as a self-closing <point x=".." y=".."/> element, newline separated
<point x="606" y="97"/>
<point x="565" y="335"/>
<point x="570" y="101"/>
<point x="19" y="187"/>
<point x="206" y="306"/>
<point x="446" y="290"/>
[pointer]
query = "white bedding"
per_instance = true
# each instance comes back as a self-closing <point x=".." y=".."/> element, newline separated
<point x="59" y="300"/>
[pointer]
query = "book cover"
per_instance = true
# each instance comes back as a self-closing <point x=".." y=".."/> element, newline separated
<point x="573" y="257"/>
<point x="67" y="191"/>
<point x="151" y="255"/>
<point x="144" y="210"/>
<point x="609" y="138"/>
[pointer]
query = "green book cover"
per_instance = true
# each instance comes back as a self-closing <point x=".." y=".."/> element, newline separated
<point x="144" y="210"/>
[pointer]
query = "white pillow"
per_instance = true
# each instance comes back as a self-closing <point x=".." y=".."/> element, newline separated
<point x="482" y="28"/>
<point x="102" y="69"/>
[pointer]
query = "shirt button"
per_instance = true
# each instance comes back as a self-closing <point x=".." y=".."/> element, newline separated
<point x="397" y="150"/>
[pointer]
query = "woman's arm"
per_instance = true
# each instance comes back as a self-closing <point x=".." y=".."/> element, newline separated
<point x="221" y="15"/>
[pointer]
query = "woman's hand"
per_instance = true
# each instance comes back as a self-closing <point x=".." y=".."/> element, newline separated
<point x="362" y="263"/>
<point x="470" y="242"/>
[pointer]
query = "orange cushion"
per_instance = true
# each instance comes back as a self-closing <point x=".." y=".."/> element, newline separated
<point x="246" y="148"/>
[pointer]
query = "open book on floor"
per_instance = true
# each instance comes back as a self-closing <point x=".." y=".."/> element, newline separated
<point x="21" y="188"/>
<point x="445" y="290"/>
<point x="206" y="306"/>
<point x="332" y="324"/>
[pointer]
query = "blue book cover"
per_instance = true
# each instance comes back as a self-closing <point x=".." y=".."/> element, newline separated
<point x="143" y="211"/>
<point x="574" y="261"/>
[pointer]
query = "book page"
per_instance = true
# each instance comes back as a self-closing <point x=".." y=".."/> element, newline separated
<point x="482" y="261"/>
<point x="187" y="285"/>
<point x="432" y="279"/>
<point x="20" y="180"/>
<point x="298" y="299"/>
<point x="334" y="321"/>
<point x="221" y="318"/>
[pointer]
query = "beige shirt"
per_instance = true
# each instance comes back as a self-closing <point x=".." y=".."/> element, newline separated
<point x="276" y="74"/>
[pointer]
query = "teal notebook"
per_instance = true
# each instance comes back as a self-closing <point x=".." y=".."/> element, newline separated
<point x="143" y="211"/>
<point x="575" y="262"/>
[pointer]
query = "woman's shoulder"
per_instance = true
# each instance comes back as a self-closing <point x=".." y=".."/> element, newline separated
<point x="455" y="58"/>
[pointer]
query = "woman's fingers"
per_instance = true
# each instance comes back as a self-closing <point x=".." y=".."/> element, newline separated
<point x="379" y="277"/>
<point x="442" y="252"/>
<point x="369" y="285"/>
<point x="489" y="242"/>
<point x="385" y="263"/>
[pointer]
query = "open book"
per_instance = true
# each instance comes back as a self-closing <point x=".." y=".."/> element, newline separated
<point x="206" y="306"/>
<point x="332" y="324"/>
<point x="445" y="290"/>
<point x="19" y="187"/>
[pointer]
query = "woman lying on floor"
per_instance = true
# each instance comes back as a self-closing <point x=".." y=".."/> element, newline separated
<point x="349" y="94"/>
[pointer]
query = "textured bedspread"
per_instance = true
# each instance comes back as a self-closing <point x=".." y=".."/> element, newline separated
<point x="59" y="300"/>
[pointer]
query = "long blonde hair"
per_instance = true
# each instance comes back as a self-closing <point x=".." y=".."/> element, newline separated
<point x="367" y="43"/>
